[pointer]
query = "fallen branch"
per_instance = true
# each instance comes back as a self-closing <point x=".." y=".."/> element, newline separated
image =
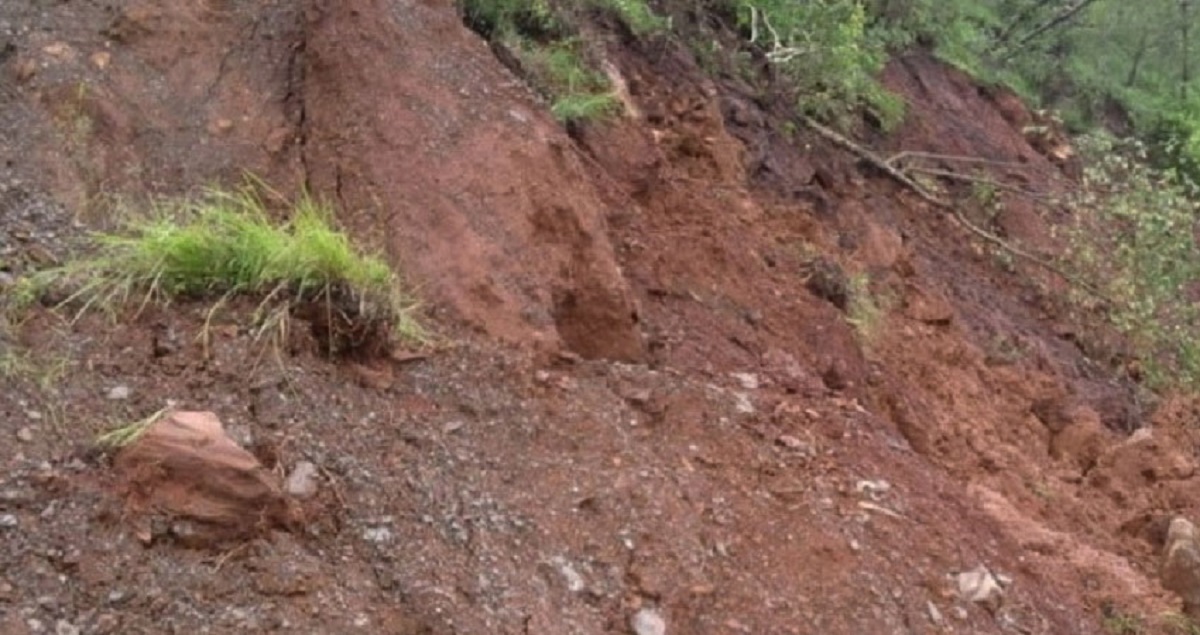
<point x="933" y="156"/>
<point x="971" y="178"/>
<point x="907" y="181"/>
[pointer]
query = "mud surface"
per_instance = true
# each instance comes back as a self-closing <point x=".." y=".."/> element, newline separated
<point x="659" y="401"/>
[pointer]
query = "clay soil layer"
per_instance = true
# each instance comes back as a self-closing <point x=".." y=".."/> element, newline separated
<point x="658" y="405"/>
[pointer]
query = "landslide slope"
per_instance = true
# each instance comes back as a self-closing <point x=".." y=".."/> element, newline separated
<point x="660" y="404"/>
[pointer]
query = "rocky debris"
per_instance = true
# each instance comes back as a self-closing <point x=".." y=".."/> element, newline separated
<point x="185" y="465"/>
<point x="302" y="482"/>
<point x="118" y="393"/>
<point x="575" y="581"/>
<point x="377" y="535"/>
<point x="8" y="521"/>
<point x="981" y="586"/>
<point x="1145" y="457"/>
<point x="647" y="621"/>
<point x="1180" y="566"/>
<point x="25" y="434"/>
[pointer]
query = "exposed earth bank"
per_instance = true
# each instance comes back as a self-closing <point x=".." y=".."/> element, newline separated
<point x="659" y="406"/>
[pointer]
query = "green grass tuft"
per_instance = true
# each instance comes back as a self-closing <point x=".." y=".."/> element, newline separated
<point x="225" y="244"/>
<point x="123" y="436"/>
<point x="585" y="107"/>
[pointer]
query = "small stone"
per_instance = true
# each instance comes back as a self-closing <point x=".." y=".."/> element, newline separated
<point x="648" y="622"/>
<point x="33" y="415"/>
<point x="793" y="443"/>
<point x="35" y="625"/>
<point x="743" y="404"/>
<point x="453" y="426"/>
<point x="117" y="393"/>
<point x="575" y="582"/>
<point x="106" y="623"/>
<point x="874" y="489"/>
<point x="377" y="535"/>
<point x="749" y="381"/>
<point x="25" y="435"/>
<point x="639" y="397"/>
<point x="935" y="615"/>
<point x="8" y="521"/>
<point x="980" y="586"/>
<point x="302" y="482"/>
<point x="63" y="627"/>
<point x="116" y="596"/>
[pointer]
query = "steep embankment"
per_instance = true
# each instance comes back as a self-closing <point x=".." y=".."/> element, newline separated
<point x="660" y="407"/>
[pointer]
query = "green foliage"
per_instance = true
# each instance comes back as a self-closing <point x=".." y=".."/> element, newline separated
<point x="1123" y="624"/>
<point x="828" y="54"/>
<point x="1180" y="624"/>
<point x="585" y="107"/>
<point x="636" y="14"/>
<point x="225" y="244"/>
<point x="558" y="71"/>
<point x="1133" y="239"/>
<point x="865" y="311"/>
<point x="126" y="434"/>
<point x="542" y="36"/>
<point x="1174" y="140"/>
<point x="497" y="19"/>
<point x="1129" y="68"/>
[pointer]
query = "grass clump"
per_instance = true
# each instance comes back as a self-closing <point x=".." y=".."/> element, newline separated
<point x="577" y="93"/>
<point x="864" y="311"/>
<point x="542" y="39"/>
<point x="125" y="435"/>
<point x="225" y="244"/>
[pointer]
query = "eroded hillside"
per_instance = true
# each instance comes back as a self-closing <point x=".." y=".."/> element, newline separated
<point x="661" y="401"/>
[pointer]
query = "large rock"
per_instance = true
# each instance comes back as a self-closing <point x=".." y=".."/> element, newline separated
<point x="1180" y="568"/>
<point x="184" y="466"/>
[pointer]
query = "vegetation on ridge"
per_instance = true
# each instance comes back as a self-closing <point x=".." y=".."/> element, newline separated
<point x="226" y="244"/>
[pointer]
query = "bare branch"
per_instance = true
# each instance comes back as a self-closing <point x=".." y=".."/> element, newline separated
<point x="907" y="181"/>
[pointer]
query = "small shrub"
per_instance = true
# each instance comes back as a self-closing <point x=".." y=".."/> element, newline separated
<point x="1132" y="237"/>
<point x="865" y="311"/>
<point x="1123" y="624"/>
<point x="585" y="107"/>
<point x="1180" y="624"/>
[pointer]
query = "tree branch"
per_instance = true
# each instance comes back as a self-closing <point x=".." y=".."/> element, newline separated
<point x="907" y="181"/>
